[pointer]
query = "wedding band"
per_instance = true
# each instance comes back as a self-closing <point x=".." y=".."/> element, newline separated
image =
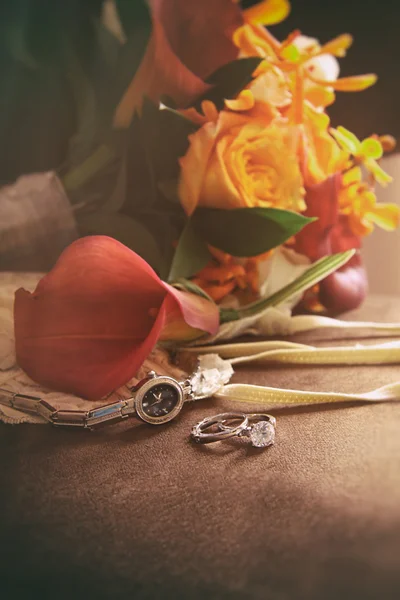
<point x="199" y="431"/>
<point x="259" y="428"/>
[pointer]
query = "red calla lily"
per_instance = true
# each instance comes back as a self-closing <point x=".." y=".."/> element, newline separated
<point x="346" y="288"/>
<point x="93" y="320"/>
<point x="188" y="43"/>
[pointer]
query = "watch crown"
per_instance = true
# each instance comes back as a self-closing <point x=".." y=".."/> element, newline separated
<point x="152" y="374"/>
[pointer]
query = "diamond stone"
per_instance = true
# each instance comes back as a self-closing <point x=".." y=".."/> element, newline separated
<point x="262" y="434"/>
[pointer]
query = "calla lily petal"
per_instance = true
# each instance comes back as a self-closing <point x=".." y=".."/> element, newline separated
<point x="93" y="320"/>
<point x="161" y="73"/>
<point x="192" y="310"/>
<point x="186" y="46"/>
<point x="200" y="34"/>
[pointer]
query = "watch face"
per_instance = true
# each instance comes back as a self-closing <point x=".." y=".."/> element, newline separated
<point x="160" y="400"/>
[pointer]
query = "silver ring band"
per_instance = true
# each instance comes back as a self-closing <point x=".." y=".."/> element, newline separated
<point x="199" y="434"/>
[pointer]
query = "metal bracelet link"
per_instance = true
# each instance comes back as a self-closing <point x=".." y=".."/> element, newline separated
<point x="88" y="419"/>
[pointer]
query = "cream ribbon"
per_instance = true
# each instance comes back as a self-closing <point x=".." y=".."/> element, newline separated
<point x="292" y="353"/>
<point x="268" y="396"/>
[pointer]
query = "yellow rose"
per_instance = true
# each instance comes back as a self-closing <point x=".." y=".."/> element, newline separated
<point x="237" y="161"/>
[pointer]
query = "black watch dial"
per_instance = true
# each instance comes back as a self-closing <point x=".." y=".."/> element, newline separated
<point x="160" y="400"/>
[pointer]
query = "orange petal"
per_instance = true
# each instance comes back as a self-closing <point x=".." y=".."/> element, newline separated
<point x="385" y="215"/>
<point x="357" y="83"/>
<point x="351" y="176"/>
<point x="194" y="165"/>
<point x="337" y="46"/>
<point x="346" y="139"/>
<point x="379" y="174"/>
<point x="268" y="12"/>
<point x="245" y="101"/>
<point x="221" y="274"/>
<point x="320" y="96"/>
<point x="255" y="40"/>
<point x="218" y="292"/>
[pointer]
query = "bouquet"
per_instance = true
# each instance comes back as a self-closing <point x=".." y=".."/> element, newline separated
<point x="239" y="196"/>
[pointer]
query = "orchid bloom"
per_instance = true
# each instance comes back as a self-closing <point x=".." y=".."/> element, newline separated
<point x="311" y="69"/>
<point x="365" y="152"/>
<point x="358" y="201"/>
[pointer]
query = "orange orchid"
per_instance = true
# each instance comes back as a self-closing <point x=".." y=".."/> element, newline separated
<point x="310" y="69"/>
<point x="225" y="274"/>
<point x="358" y="201"/>
<point x="365" y="152"/>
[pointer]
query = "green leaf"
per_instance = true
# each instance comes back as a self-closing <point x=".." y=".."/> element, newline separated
<point x="247" y="231"/>
<point x="166" y="132"/>
<point x="97" y="87"/>
<point x="158" y="139"/>
<point x="229" y="80"/>
<point x="316" y="273"/>
<point x="189" y="286"/>
<point x="169" y="190"/>
<point x="126" y="230"/>
<point x="191" y="255"/>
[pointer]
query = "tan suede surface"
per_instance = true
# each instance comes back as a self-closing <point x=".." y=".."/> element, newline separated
<point x="133" y="511"/>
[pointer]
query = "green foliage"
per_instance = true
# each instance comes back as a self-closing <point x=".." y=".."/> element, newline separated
<point x="191" y="255"/>
<point x="241" y="232"/>
<point x="229" y="80"/>
<point x="126" y="230"/>
<point x="247" y="231"/>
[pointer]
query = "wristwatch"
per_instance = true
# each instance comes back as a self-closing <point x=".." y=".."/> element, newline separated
<point x="156" y="399"/>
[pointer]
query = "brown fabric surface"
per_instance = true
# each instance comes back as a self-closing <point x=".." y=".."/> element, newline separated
<point x="36" y="223"/>
<point x="138" y="512"/>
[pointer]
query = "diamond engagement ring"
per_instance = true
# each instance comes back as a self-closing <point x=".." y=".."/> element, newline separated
<point x="259" y="428"/>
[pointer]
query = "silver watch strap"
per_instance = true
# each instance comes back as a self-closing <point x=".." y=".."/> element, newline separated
<point x="87" y="419"/>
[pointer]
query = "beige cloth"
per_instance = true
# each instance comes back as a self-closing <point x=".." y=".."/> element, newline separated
<point x="36" y="223"/>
